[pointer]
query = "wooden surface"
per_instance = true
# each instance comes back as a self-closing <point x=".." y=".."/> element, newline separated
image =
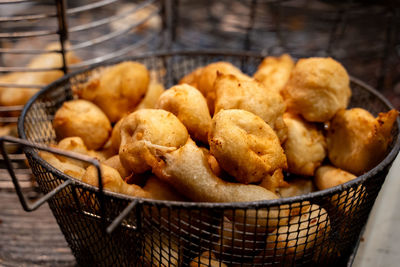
<point x="29" y="238"/>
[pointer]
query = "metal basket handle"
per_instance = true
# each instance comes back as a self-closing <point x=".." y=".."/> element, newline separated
<point x="33" y="206"/>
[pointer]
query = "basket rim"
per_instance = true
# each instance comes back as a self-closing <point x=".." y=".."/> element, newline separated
<point x="181" y="204"/>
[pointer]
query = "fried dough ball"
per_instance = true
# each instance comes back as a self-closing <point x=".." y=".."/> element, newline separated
<point x="156" y="126"/>
<point x="187" y="170"/>
<point x="305" y="146"/>
<point x="212" y="162"/>
<point x="296" y="187"/>
<point x="317" y="89"/>
<point x="245" y="146"/>
<point x="303" y="233"/>
<point x="112" y="181"/>
<point x="161" y="190"/>
<point x="84" y="119"/>
<point x="115" y="162"/>
<point x="274" y="181"/>
<point x="329" y="176"/>
<point x="203" y="79"/>
<point x="116" y="136"/>
<point x="153" y="93"/>
<point x="250" y="95"/>
<point x="66" y="167"/>
<point x="357" y="141"/>
<point x="12" y="96"/>
<point x="76" y="144"/>
<point x="190" y="106"/>
<point x="274" y="72"/>
<point x="118" y="89"/>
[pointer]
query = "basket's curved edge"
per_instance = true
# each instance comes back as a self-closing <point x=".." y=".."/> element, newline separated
<point x="387" y="161"/>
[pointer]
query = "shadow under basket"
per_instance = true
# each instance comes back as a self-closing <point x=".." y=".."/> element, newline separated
<point x="163" y="233"/>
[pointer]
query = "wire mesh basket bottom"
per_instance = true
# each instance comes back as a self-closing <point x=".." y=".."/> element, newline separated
<point x="314" y="229"/>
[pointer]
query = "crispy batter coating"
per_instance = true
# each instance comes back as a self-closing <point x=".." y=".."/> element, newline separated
<point x="296" y="187"/>
<point x="245" y="146"/>
<point x="305" y="146"/>
<point x="329" y="176"/>
<point x="317" y="89"/>
<point x="250" y="95"/>
<point x="76" y="144"/>
<point x="153" y="93"/>
<point x="66" y="167"/>
<point x="156" y="126"/>
<point x="274" y="72"/>
<point x="118" y="89"/>
<point x="274" y="181"/>
<point x="357" y="141"/>
<point x="115" y="162"/>
<point x="203" y="79"/>
<point x="187" y="170"/>
<point x="113" y="181"/>
<point x="116" y="136"/>
<point x="190" y="106"/>
<point x="11" y="96"/>
<point x="303" y="233"/>
<point x="349" y="200"/>
<point x="161" y="190"/>
<point x="84" y="119"/>
<point x="212" y="162"/>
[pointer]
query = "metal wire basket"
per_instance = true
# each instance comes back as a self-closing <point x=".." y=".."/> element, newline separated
<point x="92" y="30"/>
<point x="104" y="228"/>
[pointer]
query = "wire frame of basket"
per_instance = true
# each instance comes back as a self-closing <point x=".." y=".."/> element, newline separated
<point x="314" y="229"/>
<point x="340" y="29"/>
<point x="40" y="41"/>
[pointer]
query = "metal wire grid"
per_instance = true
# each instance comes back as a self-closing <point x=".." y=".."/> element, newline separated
<point x="94" y="30"/>
<point x="160" y="233"/>
<point x="362" y="35"/>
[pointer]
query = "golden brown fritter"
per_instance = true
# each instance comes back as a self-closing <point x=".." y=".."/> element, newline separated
<point x="296" y="187"/>
<point x="245" y="146"/>
<point x="357" y="141"/>
<point x="303" y="233"/>
<point x="305" y="146"/>
<point x="250" y="95"/>
<point x="83" y="119"/>
<point x="156" y="126"/>
<point x="115" y="162"/>
<point x="329" y="176"/>
<point x="76" y="144"/>
<point x="153" y="93"/>
<point x="11" y="96"/>
<point x="317" y="89"/>
<point x="161" y="190"/>
<point x="203" y="79"/>
<point x="274" y="72"/>
<point x="116" y="136"/>
<point x="118" y="89"/>
<point x="66" y="167"/>
<point x="187" y="170"/>
<point x="273" y="181"/>
<point x="190" y="106"/>
<point x="112" y="181"/>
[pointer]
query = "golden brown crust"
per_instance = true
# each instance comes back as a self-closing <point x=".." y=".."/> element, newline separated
<point x="187" y="170"/>
<point x="115" y="162"/>
<point x="250" y="95"/>
<point x="157" y="126"/>
<point x="305" y="146"/>
<point x="317" y="89"/>
<point x="154" y="91"/>
<point x="329" y="176"/>
<point x="190" y="106"/>
<point x="245" y="146"/>
<point x="83" y="119"/>
<point x="118" y="89"/>
<point x="274" y="72"/>
<point x="296" y="187"/>
<point x="112" y="181"/>
<point x="161" y="190"/>
<point x="357" y="141"/>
